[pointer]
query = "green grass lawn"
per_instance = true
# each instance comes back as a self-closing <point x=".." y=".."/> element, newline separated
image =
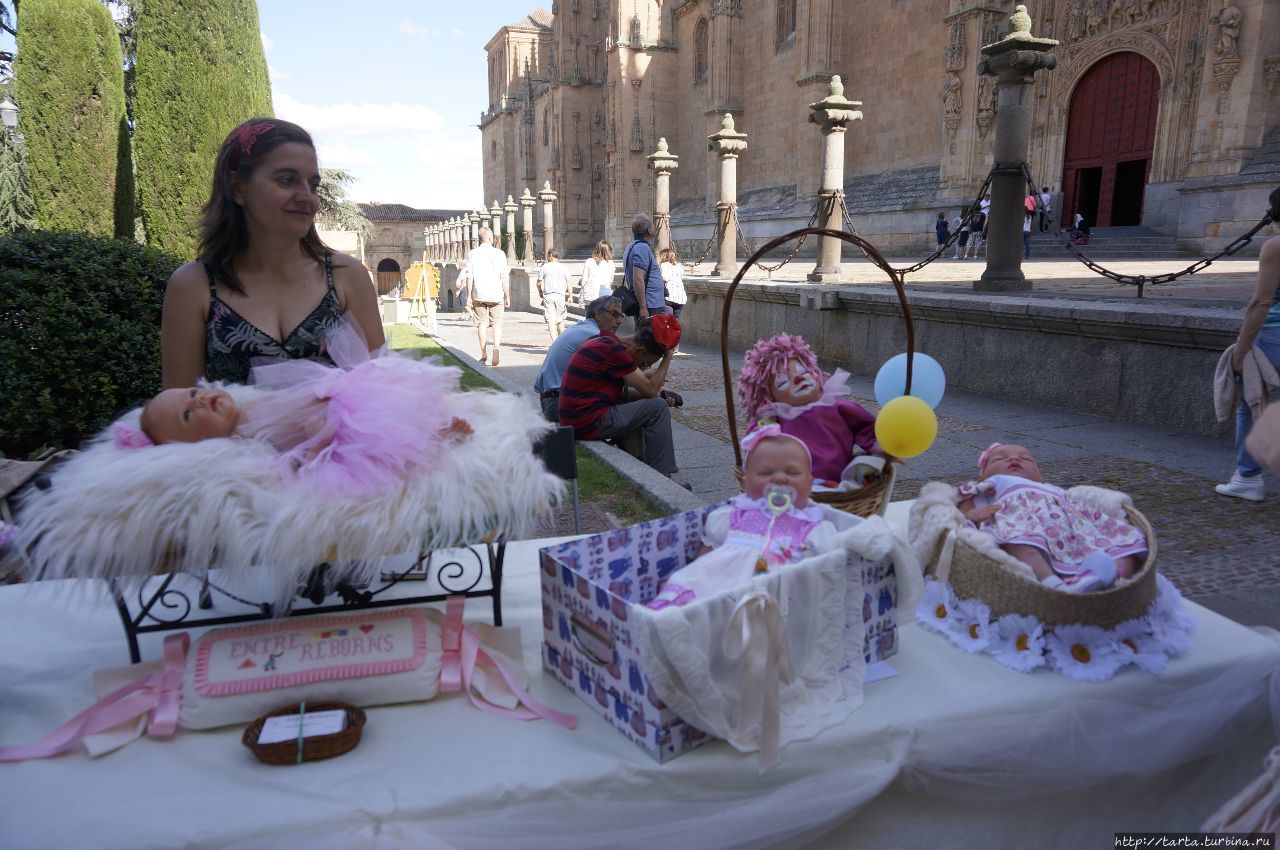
<point x="597" y="481"/>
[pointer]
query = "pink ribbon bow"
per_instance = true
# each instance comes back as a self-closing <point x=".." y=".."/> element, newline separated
<point x="156" y="694"/>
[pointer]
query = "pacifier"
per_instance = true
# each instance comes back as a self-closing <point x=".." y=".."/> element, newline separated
<point x="779" y="498"/>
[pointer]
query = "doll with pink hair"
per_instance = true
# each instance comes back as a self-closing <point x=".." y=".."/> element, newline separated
<point x="781" y="381"/>
<point x="1069" y="546"/>
<point x="352" y="429"/>
<point x="771" y="524"/>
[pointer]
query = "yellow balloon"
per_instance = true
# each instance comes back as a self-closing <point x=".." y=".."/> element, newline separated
<point x="906" y="426"/>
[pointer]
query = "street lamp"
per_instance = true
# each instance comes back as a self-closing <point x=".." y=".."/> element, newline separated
<point x="9" y="113"/>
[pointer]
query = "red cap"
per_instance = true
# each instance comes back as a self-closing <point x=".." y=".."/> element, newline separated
<point x="666" y="330"/>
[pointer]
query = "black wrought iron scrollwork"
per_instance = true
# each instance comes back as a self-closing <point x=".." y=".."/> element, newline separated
<point x="455" y="571"/>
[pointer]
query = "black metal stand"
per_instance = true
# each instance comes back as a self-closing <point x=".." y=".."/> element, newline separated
<point x="169" y="608"/>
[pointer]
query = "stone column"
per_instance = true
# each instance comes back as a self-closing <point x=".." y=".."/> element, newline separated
<point x="663" y="162"/>
<point x="727" y="143"/>
<point x="474" y="218"/>
<point x="548" y="197"/>
<point x="1013" y="61"/>
<point x="831" y="113"/>
<point x="453" y="239"/>
<point x="510" y="208"/>
<point x="459" y="239"/>
<point x="431" y="242"/>
<point x="526" y="209"/>
<point x="495" y="223"/>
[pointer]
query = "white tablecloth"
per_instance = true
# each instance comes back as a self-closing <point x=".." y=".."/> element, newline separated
<point x="944" y="755"/>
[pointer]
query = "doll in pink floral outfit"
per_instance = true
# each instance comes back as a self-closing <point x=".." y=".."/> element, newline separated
<point x="1068" y="546"/>
<point x="770" y="525"/>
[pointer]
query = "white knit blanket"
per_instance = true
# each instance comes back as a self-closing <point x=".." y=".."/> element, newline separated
<point x="225" y="504"/>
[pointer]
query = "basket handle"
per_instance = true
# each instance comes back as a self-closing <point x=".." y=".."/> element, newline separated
<point x="872" y="254"/>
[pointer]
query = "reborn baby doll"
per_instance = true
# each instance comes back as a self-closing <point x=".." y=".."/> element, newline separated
<point x="780" y="380"/>
<point x="770" y="525"/>
<point x="1067" y="545"/>
<point x="345" y="430"/>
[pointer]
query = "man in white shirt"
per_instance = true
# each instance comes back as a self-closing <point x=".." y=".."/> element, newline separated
<point x="490" y="292"/>
<point x="1046" y="214"/>
<point x="553" y="285"/>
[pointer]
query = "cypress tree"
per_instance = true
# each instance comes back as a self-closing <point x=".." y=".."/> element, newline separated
<point x="200" y="72"/>
<point x="16" y="209"/>
<point x="70" y="83"/>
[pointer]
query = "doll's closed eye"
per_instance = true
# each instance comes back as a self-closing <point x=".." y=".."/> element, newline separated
<point x="781" y="382"/>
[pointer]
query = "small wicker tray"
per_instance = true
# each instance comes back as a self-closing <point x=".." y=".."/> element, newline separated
<point x="870" y="500"/>
<point x="314" y="748"/>
<point x="974" y="575"/>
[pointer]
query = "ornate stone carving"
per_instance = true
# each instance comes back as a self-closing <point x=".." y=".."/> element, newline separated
<point x="952" y="102"/>
<point x="611" y="138"/>
<point x="1228" y="22"/>
<point x="991" y="28"/>
<point x="575" y="161"/>
<point x="637" y="134"/>
<point x="637" y="32"/>
<point x="1084" y="19"/>
<point x="731" y="8"/>
<point x="835" y="109"/>
<point x="956" y="47"/>
<point x="1271" y="71"/>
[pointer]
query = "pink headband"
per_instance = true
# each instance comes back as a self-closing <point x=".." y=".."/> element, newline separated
<point x="766" y="429"/>
<point x="246" y="135"/>
<point x="982" y="458"/>
<point x="126" y="436"/>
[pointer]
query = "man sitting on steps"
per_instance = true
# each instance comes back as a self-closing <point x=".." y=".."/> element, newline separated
<point x="605" y="394"/>
<point x="604" y="315"/>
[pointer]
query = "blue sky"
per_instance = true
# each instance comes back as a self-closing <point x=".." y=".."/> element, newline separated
<point x="391" y="90"/>
<point x="392" y="93"/>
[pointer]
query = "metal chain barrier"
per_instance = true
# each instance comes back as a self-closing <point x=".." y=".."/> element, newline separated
<point x="1140" y="280"/>
<point x="706" y="251"/>
<point x="951" y="240"/>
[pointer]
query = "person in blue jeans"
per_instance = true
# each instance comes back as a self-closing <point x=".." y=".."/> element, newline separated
<point x="641" y="270"/>
<point x="1260" y="329"/>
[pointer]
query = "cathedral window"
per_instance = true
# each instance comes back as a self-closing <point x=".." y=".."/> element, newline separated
<point x="700" y="51"/>
<point x="786" y="22"/>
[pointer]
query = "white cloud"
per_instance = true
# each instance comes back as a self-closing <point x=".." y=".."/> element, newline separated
<point x="408" y="27"/>
<point x="266" y="42"/>
<point x="455" y="32"/>
<point x="398" y="153"/>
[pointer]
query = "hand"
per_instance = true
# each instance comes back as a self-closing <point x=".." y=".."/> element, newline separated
<point x="644" y="313"/>
<point x="980" y="515"/>
<point x="1237" y="359"/>
<point x="506" y="302"/>
<point x="673" y="399"/>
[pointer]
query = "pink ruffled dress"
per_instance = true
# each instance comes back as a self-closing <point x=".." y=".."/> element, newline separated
<point x="830" y="427"/>
<point x="1044" y="516"/>
<point x="746" y="539"/>
<point x="355" y="429"/>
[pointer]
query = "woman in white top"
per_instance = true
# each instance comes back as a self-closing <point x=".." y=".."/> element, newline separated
<point x="597" y="274"/>
<point x="673" y="279"/>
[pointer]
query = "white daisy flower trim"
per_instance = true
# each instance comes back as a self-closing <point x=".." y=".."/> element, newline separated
<point x="1083" y="653"/>
<point x="1018" y="642"/>
<point x="971" y="627"/>
<point x="1137" y="645"/>
<point x="936" y="610"/>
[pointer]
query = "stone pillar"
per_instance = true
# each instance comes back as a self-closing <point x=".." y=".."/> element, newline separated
<point x="526" y="209"/>
<point x="727" y="143"/>
<point x="663" y="162"/>
<point x="459" y="239"/>
<point x="1013" y="61"/>
<point x="510" y="208"/>
<point x="431" y="242"/>
<point x="495" y="223"/>
<point x="831" y="113"/>
<point x="475" y="218"/>
<point x="453" y="239"/>
<point x="548" y="197"/>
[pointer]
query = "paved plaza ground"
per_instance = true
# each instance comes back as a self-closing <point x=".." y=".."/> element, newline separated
<point x="1219" y="551"/>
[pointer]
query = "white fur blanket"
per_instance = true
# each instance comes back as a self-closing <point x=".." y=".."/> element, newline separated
<point x="936" y="523"/>
<point x="225" y="504"/>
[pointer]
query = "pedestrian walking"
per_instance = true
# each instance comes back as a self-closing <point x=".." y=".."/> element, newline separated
<point x="553" y="283"/>
<point x="490" y="292"/>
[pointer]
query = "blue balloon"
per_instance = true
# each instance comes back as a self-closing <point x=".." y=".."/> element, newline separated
<point x="928" y="383"/>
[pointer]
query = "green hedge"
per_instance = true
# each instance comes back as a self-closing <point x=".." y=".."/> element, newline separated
<point x="200" y="72"/>
<point x="70" y="83"/>
<point x="79" y="334"/>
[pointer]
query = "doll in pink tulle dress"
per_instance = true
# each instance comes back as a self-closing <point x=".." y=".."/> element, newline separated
<point x="780" y="381"/>
<point x="356" y="428"/>
<point x="770" y="525"/>
<point x="1069" y="546"/>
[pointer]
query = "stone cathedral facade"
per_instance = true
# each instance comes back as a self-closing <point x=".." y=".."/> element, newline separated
<point x="1164" y="113"/>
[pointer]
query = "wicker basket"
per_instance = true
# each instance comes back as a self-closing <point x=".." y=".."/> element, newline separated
<point x="870" y="500"/>
<point x="314" y="748"/>
<point x="974" y="575"/>
<point x="873" y="498"/>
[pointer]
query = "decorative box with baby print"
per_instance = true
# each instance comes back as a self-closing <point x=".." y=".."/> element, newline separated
<point x="592" y="589"/>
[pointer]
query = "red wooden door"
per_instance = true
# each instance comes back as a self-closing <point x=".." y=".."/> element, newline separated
<point x="1111" y="128"/>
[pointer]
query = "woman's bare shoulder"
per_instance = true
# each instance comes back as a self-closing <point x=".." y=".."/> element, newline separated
<point x="188" y="281"/>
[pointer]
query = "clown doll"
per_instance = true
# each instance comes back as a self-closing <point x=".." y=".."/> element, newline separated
<point x="780" y="381"/>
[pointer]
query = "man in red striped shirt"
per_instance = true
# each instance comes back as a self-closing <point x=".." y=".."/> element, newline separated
<point x="605" y="392"/>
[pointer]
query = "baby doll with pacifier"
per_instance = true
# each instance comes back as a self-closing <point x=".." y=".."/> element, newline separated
<point x="781" y="382"/>
<point x="1069" y="546"/>
<point x="770" y="525"/>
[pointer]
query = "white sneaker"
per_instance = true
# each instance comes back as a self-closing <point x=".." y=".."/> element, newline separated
<point x="1251" y="489"/>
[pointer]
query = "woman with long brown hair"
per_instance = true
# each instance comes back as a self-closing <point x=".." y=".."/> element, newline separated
<point x="263" y="287"/>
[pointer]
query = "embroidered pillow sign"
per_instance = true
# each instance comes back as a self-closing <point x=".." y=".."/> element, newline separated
<point x="262" y="658"/>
